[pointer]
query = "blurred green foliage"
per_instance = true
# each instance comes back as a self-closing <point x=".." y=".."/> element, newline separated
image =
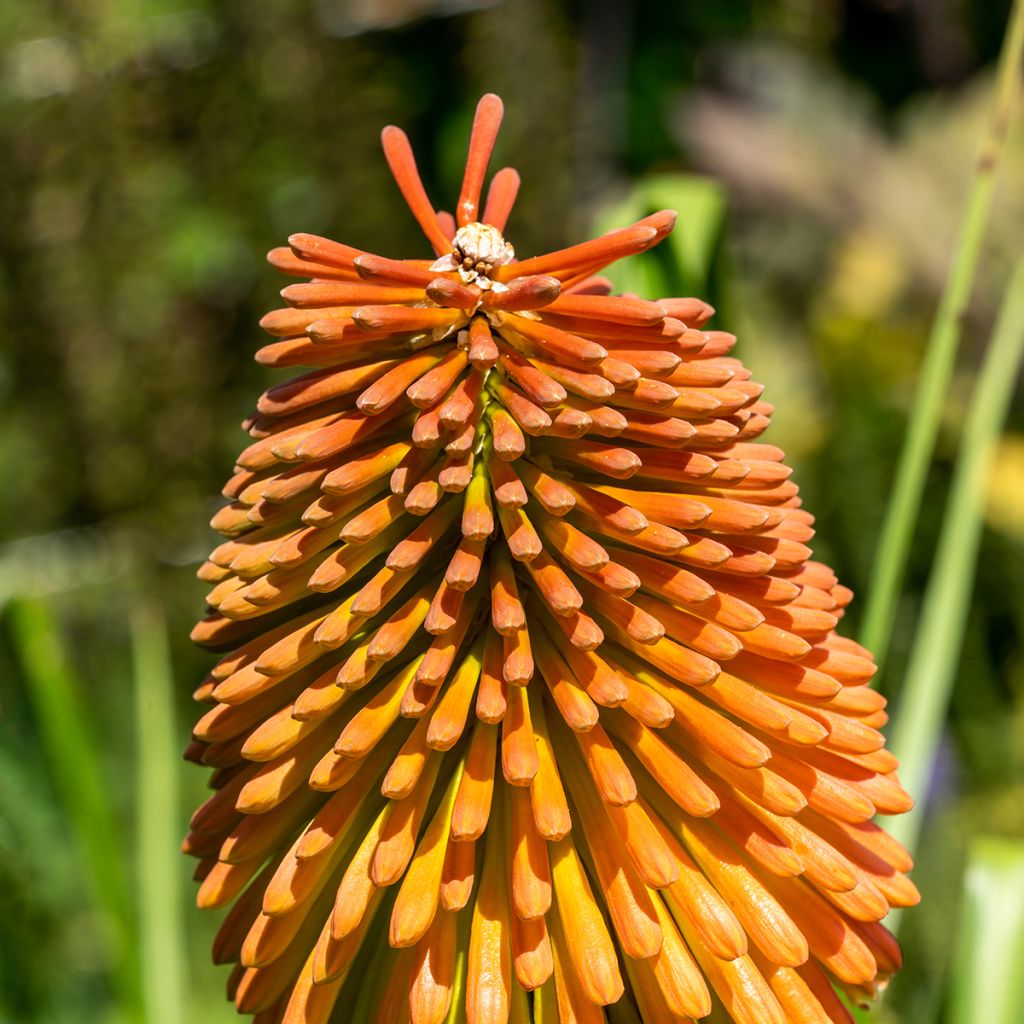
<point x="154" y="150"/>
<point x="991" y="941"/>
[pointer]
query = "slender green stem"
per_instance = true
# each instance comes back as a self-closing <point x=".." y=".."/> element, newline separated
<point x="897" y="530"/>
<point x="161" y="897"/>
<point x="73" y="756"/>
<point x="936" y="652"/>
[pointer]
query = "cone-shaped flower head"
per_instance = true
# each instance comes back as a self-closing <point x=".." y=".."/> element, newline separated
<point x="533" y="701"/>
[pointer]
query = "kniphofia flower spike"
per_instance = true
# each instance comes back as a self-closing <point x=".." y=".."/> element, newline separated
<point x="532" y="705"/>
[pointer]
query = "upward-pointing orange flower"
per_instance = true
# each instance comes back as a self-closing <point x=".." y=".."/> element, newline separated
<point x="533" y="702"/>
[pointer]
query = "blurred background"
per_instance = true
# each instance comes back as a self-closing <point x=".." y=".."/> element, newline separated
<point x="819" y="152"/>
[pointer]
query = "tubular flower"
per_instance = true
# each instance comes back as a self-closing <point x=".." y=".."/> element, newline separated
<point x="532" y="700"/>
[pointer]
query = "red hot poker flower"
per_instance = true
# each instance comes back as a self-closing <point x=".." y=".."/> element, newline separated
<point x="532" y="700"/>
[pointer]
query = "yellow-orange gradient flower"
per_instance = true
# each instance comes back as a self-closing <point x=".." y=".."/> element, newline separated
<point x="533" y="705"/>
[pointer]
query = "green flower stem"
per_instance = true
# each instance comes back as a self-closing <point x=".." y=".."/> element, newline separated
<point x="936" y="652"/>
<point x="897" y="530"/>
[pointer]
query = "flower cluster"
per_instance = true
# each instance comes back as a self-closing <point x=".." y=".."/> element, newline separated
<point x="532" y="701"/>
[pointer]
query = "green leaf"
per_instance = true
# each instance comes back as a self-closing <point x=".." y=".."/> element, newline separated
<point x="700" y="203"/>
<point x="73" y="754"/>
<point x="988" y="983"/>
<point x="161" y="896"/>
<point x="684" y="263"/>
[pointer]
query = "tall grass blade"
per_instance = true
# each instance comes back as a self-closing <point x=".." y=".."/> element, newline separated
<point x="74" y="759"/>
<point x="898" y="527"/>
<point x="988" y="983"/>
<point x="936" y="651"/>
<point x="161" y="897"/>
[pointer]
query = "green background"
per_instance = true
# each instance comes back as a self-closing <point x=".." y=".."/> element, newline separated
<point x="153" y="151"/>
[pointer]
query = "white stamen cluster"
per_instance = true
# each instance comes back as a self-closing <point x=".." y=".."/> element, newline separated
<point x="476" y="250"/>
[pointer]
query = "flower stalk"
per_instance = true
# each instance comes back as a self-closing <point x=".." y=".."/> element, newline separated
<point x="893" y="550"/>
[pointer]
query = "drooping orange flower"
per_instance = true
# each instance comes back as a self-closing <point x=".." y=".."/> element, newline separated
<point x="533" y="702"/>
